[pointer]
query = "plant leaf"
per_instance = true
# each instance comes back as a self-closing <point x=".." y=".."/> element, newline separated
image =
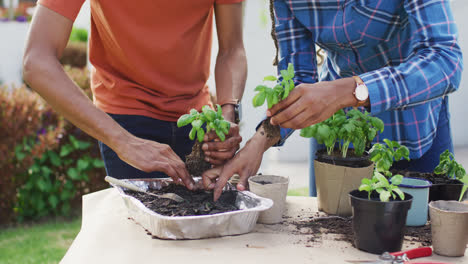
<point x="259" y="99"/>
<point x="397" y="179"/>
<point x="192" y="133"/>
<point x="197" y="124"/>
<point x="270" y="78"/>
<point x="400" y="193"/>
<point x="385" y="196"/>
<point x="200" y="134"/>
<point x="260" y="88"/>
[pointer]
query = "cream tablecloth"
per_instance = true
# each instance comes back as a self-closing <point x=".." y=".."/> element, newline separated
<point x="108" y="236"/>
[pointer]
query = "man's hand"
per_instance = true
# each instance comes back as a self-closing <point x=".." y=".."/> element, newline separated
<point x="310" y="104"/>
<point x="245" y="163"/>
<point x="149" y="156"/>
<point x="218" y="152"/>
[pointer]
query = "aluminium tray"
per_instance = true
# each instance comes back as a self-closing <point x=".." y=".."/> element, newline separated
<point x="194" y="227"/>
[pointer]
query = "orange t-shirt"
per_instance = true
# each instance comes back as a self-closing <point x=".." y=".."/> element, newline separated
<point x="150" y="57"/>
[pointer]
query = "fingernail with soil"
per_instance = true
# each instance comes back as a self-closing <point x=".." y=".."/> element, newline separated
<point x="191" y="186"/>
<point x="207" y="153"/>
<point x="268" y="113"/>
<point x="205" y="147"/>
<point x="211" y="186"/>
<point x="207" y="159"/>
<point x="240" y="187"/>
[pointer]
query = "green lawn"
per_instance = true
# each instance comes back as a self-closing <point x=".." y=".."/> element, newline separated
<point x="40" y="243"/>
<point x="299" y="192"/>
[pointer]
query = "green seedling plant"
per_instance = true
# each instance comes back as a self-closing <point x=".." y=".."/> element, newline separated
<point x="342" y="129"/>
<point x="214" y="121"/>
<point x="383" y="155"/>
<point x="280" y="92"/>
<point x="450" y="167"/>
<point x="380" y="184"/>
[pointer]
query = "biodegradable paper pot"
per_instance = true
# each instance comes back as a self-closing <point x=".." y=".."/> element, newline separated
<point x="378" y="226"/>
<point x="419" y="189"/>
<point x="274" y="188"/>
<point x="334" y="184"/>
<point x="449" y="225"/>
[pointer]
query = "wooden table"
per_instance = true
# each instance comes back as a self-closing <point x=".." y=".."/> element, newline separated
<point x="108" y="236"/>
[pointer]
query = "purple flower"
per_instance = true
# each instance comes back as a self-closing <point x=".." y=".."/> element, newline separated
<point x="42" y="131"/>
<point x="21" y="19"/>
<point x="4" y="19"/>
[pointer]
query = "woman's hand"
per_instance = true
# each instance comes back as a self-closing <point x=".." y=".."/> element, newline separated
<point x="310" y="104"/>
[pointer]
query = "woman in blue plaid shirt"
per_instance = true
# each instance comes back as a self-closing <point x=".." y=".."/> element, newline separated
<point x="398" y="58"/>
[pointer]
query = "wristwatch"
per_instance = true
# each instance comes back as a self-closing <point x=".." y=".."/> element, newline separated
<point x="237" y="105"/>
<point x="361" y="93"/>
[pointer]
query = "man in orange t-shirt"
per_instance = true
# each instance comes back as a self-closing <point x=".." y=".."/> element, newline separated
<point x="151" y="62"/>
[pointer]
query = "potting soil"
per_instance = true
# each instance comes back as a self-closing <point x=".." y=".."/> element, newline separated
<point x="271" y="130"/>
<point x="321" y="224"/>
<point x="195" y="161"/>
<point x="195" y="202"/>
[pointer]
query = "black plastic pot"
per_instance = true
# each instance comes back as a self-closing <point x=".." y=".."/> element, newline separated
<point x="349" y="161"/>
<point x="442" y="188"/>
<point x="378" y="226"/>
<point x="446" y="191"/>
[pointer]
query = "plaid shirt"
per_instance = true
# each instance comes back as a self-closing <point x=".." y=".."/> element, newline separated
<point x="405" y="51"/>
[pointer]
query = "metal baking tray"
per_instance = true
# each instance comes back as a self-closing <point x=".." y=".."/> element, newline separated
<point x="194" y="227"/>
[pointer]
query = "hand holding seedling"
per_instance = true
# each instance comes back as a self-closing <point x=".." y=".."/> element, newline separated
<point x="218" y="152"/>
<point x="221" y="137"/>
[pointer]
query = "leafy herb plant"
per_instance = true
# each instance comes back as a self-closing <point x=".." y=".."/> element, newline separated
<point x="448" y="166"/>
<point x="273" y="95"/>
<point x="214" y="122"/>
<point x="342" y="129"/>
<point x="381" y="185"/>
<point x="384" y="156"/>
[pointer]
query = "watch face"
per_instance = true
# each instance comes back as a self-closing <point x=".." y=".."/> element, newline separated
<point x="361" y="93"/>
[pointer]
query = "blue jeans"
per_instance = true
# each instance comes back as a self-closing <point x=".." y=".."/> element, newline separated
<point x="426" y="163"/>
<point x="147" y="128"/>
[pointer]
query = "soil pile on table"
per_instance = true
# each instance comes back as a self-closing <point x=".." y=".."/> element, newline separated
<point x="342" y="228"/>
<point x="195" y="202"/>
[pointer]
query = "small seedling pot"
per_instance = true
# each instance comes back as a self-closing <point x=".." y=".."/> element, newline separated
<point x="441" y="189"/>
<point x="334" y="182"/>
<point x="378" y="226"/>
<point x="449" y="225"/>
<point x="446" y="191"/>
<point x="274" y="188"/>
<point x="419" y="189"/>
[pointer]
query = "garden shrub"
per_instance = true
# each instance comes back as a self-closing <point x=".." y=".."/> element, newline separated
<point x="23" y="117"/>
<point x="47" y="163"/>
<point x="75" y="54"/>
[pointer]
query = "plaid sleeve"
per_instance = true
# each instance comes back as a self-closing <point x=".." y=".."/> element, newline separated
<point x="434" y="68"/>
<point x="297" y="46"/>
